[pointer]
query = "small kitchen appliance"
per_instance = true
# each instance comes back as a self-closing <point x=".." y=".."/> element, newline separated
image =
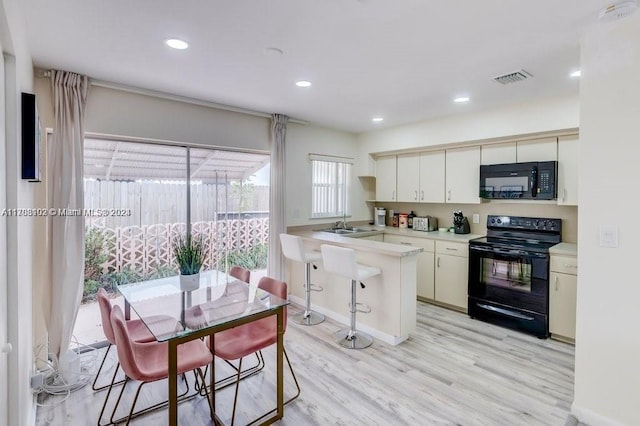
<point x="531" y="181"/>
<point x="427" y="223"/>
<point x="460" y="223"/>
<point x="380" y="216"/>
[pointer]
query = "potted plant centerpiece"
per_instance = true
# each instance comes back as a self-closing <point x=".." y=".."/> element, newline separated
<point x="189" y="253"/>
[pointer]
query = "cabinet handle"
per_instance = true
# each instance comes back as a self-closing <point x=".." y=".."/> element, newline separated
<point x="393" y="195"/>
<point x="566" y="265"/>
<point x="564" y="194"/>
<point x="416" y="196"/>
<point x="422" y="196"/>
<point x="556" y="280"/>
<point x="452" y="249"/>
<point x="438" y="262"/>
<point x="449" y="195"/>
<point x="405" y="243"/>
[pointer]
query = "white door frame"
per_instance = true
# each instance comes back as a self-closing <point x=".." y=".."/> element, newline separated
<point x="4" y="344"/>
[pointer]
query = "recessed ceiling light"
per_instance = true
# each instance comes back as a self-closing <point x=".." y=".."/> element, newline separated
<point x="175" y="43"/>
<point x="303" y="83"/>
<point x="377" y="119"/>
<point x="461" y="99"/>
<point x="575" y="74"/>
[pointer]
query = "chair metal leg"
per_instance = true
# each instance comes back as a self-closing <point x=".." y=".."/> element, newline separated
<point x="351" y="338"/>
<point x="295" y="380"/>
<point x="308" y="317"/>
<point x="231" y="379"/>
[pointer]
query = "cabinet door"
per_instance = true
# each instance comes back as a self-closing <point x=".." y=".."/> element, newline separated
<point x="562" y="304"/>
<point x="500" y="153"/>
<point x="432" y="174"/>
<point x="425" y="262"/>
<point x="463" y="175"/>
<point x="568" y="161"/>
<point x="537" y="150"/>
<point x="451" y="280"/>
<point x="386" y="178"/>
<point x="408" y="177"/>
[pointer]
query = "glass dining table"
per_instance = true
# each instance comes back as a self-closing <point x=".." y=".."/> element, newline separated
<point x="221" y="302"/>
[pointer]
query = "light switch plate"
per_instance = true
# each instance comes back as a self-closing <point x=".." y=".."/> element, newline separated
<point x="476" y="218"/>
<point x="608" y="236"/>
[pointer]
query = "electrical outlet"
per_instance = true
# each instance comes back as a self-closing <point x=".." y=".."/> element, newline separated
<point x="476" y="218"/>
<point x="37" y="380"/>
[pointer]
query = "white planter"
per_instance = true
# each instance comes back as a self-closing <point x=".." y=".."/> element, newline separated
<point x="189" y="282"/>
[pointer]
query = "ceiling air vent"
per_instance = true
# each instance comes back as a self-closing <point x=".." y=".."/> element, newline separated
<point x="513" y="77"/>
<point x="618" y="10"/>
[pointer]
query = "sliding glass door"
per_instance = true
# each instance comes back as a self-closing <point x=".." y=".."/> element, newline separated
<point x="140" y="197"/>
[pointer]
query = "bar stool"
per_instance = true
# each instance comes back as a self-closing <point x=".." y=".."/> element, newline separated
<point x="342" y="261"/>
<point x="293" y="249"/>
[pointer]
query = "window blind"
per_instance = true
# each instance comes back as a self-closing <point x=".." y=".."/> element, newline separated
<point x="330" y="187"/>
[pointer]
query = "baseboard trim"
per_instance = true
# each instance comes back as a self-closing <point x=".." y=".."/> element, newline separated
<point x="586" y="416"/>
<point x="387" y="338"/>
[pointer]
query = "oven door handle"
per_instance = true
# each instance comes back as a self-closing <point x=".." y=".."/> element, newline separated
<point x="506" y="312"/>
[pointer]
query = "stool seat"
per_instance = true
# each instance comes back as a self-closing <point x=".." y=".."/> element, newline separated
<point x="341" y="261"/>
<point x="293" y="249"/>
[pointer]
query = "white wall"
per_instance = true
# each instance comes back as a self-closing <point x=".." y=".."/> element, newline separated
<point x="557" y="113"/>
<point x="607" y="375"/>
<point x="19" y="194"/>
<point x="305" y="139"/>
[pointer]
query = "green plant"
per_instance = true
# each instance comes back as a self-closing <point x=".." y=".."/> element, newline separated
<point x="189" y="254"/>
<point x="254" y="258"/>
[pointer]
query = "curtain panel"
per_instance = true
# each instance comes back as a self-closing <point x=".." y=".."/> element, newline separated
<point x="277" y="194"/>
<point x="65" y="189"/>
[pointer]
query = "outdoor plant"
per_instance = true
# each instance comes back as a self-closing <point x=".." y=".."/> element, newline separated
<point x="254" y="258"/>
<point x="189" y="254"/>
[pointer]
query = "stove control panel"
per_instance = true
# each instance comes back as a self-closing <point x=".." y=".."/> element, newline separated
<point x="525" y="223"/>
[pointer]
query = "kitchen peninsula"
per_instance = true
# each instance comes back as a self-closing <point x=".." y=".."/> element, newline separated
<point x="391" y="295"/>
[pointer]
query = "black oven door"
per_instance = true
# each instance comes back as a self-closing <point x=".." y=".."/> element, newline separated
<point x="509" y="277"/>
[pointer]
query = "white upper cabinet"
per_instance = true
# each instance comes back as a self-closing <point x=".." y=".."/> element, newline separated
<point x="537" y="150"/>
<point x="463" y="175"/>
<point x="386" y="178"/>
<point x="408" y="182"/>
<point x="432" y="177"/>
<point x="499" y="153"/>
<point x="568" y="161"/>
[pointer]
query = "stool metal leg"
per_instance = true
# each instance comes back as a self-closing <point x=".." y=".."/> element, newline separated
<point x="308" y="317"/>
<point x="351" y="338"/>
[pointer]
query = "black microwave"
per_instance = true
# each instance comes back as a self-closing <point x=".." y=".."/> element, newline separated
<point x="526" y="181"/>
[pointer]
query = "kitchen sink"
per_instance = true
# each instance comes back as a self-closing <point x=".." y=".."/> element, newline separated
<point x="346" y="230"/>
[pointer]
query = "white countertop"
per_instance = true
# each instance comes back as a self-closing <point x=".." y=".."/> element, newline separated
<point x="567" y="249"/>
<point x="433" y="235"/>
<point x="381" y="247"/>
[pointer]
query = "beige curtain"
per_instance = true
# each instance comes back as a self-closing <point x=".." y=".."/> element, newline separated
<point x="277" y="194"/>
<point x="65" y="188"/>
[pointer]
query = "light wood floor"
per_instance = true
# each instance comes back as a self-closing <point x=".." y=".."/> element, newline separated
<point x="453" y="371"/>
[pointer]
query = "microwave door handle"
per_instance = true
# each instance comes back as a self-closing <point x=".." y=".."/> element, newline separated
<point x="534" y="181"/>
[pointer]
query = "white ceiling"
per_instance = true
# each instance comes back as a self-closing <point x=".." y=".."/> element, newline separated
<point x="404" y="60"/>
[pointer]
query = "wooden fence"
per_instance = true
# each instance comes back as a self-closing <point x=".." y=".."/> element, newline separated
<point x="148" y="248"/>
<point x="146" y="203"/>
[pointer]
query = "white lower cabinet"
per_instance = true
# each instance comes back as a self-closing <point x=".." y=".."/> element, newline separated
<point x="425" y="262"/>
<point x="562" y="296"/>
<point x="451" y="273"/>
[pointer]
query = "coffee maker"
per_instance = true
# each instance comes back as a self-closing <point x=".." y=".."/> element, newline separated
<point x="460" y="223"/>
<point x="380" y="216"/>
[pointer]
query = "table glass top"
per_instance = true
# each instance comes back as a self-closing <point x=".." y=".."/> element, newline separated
<point x="170" y="312"/>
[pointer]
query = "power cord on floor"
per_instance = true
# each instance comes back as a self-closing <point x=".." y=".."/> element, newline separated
<point x="61" y="382"/>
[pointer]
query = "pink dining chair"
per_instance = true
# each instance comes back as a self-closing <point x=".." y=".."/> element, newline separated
<point x="240" y="273"/>
<point x="149" y="362"/>
<point x="238" y="342"/>
<point x="137" y="330"/>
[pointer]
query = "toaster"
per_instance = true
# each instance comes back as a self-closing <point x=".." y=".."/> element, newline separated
<point x="427" y="223"/>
